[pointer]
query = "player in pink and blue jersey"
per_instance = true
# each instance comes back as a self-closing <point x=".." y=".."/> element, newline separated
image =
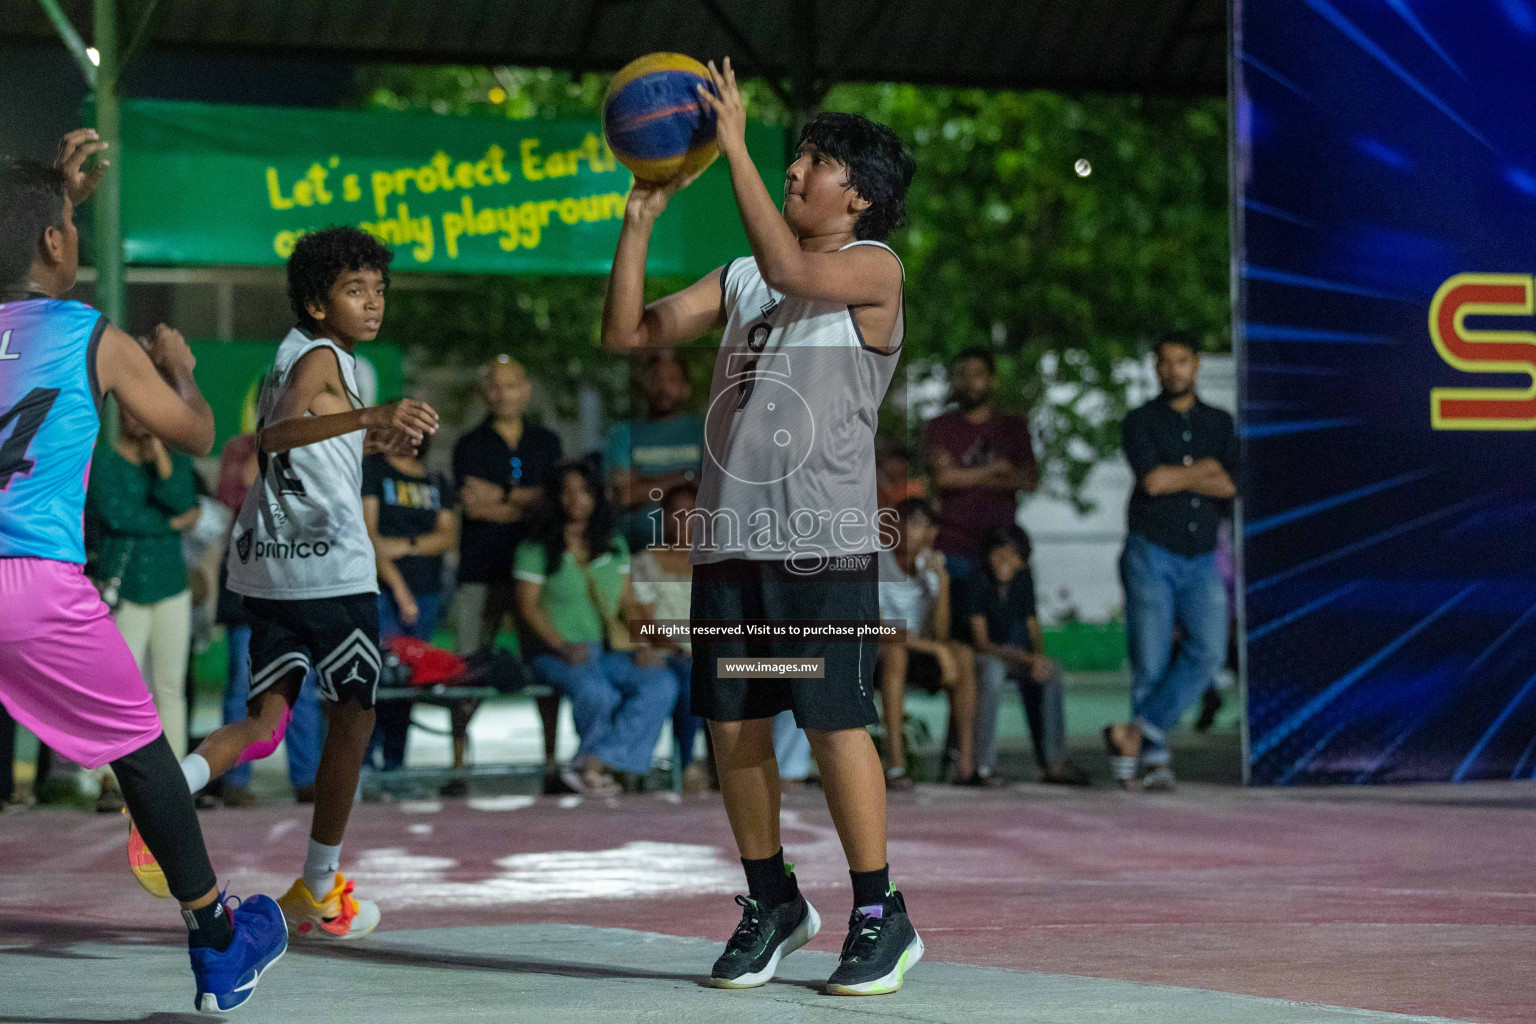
<point x="65" y="671"/>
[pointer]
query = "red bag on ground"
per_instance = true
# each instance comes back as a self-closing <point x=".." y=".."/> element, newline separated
<point x="428" y="664"/>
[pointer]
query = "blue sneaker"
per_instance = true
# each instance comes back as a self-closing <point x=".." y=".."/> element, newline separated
<point x="226" y="980"/>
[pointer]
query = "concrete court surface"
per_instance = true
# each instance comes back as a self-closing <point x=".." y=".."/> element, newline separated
<point x="1212" y="904"/>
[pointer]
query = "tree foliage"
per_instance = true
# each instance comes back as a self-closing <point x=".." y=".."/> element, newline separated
<point x="1066" y="276"/>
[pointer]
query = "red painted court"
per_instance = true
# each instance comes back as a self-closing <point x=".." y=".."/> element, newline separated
<point x="1416" y="901"/>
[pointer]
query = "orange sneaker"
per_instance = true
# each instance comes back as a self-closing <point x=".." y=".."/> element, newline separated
<point x="338" y="916"/>
<point x="145" y="868"/>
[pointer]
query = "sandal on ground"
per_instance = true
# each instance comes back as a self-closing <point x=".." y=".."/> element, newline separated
<point x="591" y="779"/>
<point x="1121" y="766"/>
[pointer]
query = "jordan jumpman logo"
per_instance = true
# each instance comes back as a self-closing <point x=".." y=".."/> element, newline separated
<point x="354" y="676"/>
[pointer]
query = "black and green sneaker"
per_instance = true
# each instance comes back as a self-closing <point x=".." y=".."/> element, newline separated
<point x="878" y="951"/>
<point x="765" y="936"/>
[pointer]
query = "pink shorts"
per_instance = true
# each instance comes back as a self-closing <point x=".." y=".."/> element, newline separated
<point x="65" y="672"/>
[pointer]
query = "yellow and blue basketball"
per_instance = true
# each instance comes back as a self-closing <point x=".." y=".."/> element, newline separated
<point x="653" y="119"/>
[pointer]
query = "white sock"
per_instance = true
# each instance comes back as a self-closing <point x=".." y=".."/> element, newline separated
<point x="320" y="868"/>
<point x="195" y="768"/>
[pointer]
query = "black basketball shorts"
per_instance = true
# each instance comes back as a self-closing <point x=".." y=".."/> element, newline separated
<point x="846" y="590"/>
<point x="336" y="636"/>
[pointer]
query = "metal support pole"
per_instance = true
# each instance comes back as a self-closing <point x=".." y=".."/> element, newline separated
<point x="110" y="293"/>
<point x="72" y="41"/>
<point x="1237" y="174"/>
<point x="224" y="310"/>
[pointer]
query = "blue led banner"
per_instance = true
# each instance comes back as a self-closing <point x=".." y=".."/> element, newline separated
<point x="1385" y="167"/>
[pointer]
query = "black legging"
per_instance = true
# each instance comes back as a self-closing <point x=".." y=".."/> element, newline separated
<point x="157" y="796"/>
<point x="7" y="756"/>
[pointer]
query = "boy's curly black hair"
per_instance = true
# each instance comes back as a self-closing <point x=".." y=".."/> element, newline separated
<point x="321" y="257"/>
<point x="879" y="167"/>
<point x="31" y="202"/>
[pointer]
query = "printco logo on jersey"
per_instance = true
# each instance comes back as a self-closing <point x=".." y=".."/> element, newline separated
<point x="278" y="549"/>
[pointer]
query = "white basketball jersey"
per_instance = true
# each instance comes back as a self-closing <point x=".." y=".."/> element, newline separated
<point x="300" y="534"/>
<point x="789" y="436"/>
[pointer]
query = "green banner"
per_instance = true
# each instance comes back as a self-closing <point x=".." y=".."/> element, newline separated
<point x="205" y="184"/>
<point x="229" y="373"/>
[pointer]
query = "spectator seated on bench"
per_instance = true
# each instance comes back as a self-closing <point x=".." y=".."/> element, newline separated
<point x="663" y="583"/>
<point x="1006" y="633"/>
<point x="914" y="591"/>
<point x="574" y="594"/>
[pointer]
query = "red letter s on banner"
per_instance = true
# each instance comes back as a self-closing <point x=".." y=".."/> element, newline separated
<point x="1483" y="351"/>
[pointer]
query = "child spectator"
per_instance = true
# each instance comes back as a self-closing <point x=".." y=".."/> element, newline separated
<point x="893" y="479"/>
<point x="1006" y="633"/>
<point x="663" y="581"/>
<point x="409" y="513"/>
<point x="914" y="590"/>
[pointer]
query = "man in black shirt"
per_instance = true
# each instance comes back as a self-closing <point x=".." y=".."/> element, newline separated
<point x="1184" y="455"/>
<point x="500" y="468"/>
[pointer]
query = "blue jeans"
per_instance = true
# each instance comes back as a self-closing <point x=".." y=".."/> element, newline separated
<point x="393" y="717"/>
<point x="306" y="731"/>
<point x="1044" y="711"/>
<point x="618" y="706"/>
<point x="685" y="724"/>
<point x="1162" y="590"/>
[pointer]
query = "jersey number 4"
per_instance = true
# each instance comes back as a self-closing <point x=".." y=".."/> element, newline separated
<point x="287" y="480"/>
<point x="27" y="415"/>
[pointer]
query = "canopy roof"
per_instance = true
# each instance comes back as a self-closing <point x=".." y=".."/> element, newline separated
<point x="1147" y="46"/>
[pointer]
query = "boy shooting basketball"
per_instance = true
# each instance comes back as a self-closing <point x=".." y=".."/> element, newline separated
<point x="813" y="329"/>
<point x="301" y="557"/>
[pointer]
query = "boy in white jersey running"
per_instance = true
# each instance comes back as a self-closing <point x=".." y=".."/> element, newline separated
<point x="301" y="557"/>
<point x="812" y="332"/>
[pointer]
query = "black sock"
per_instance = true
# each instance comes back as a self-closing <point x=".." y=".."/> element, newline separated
<point x="870" y="887"/>
<point x="769" y="881"/>
<point x="209" y="926"/>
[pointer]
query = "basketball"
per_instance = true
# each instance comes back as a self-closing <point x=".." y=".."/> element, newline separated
<point x="653" y="119"/>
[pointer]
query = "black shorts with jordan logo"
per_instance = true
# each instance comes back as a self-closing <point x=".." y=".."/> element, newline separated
<point x="845" y="590"/>
<point x="336" y="636"/>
